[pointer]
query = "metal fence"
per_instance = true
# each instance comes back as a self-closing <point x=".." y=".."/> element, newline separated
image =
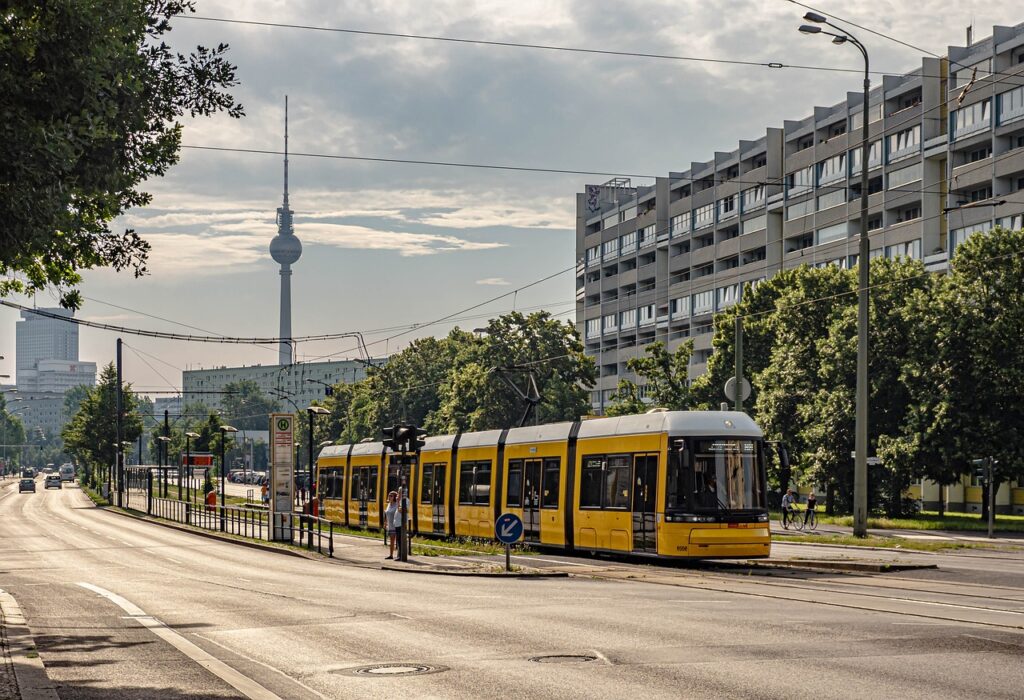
<point x="300" y="529"/>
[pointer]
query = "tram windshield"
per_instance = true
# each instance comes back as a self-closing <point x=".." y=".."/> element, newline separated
<point x="721" y="474"/>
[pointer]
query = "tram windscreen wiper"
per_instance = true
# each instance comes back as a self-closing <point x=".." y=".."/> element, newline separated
<point x="724" y="507"/>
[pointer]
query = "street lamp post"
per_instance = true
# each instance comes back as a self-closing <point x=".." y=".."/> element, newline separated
<point x="188" y="437"/>
<point x="312" y="412"/>
<point x="224" y="430"/>
<point x="860" y="466"/>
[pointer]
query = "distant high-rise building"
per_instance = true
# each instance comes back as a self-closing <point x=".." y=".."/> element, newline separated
<point x="286" y="249"/>
<point x="47" y="353"/>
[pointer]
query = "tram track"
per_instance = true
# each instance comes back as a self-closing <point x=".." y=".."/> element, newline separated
<point x="821" y="595"/>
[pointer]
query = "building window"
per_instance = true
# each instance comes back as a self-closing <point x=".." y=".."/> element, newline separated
<point x="727" y="207"/>
<point x="758" y="223"/>
<point x="799" y="209"/>
<point x="753" y="198"/>
<point x="727" y="295"/>
<point x="833" y="233"/>
<point x="904" y="143"/>
<point x="908" y="214"/>
<point x="1011" y="105"/>
<point x="800" y="181"/>
<point x="609" y="324"/>
<point x="703" y="302"/>
<point x="832" y="169"/>
<point x="627" y="243"/>
<point x="959" y="235"/>
<point x="970" y="119"/>
<point x="910" y="249"/>
<point x="610" y="249"/>
<point x="627" y="319"/>
<point x="680" y="308"/>
<point x="680" y="224"/>
<point x="979" y="154"/>
<point x="627" y="214"/>
<point x="874" y="114"/>
<point x="874" y="157"/>
<point x="980" y="194"/>
<point x="593" y="328"/>
<point x="832" y="199"/>
<point x="610" y="221"/>
<point x="646" y="314"/>
<point x="704" y="216"/>
<point x="647" y="236"/>
<point x="899" y="178"/>
<point x="1011" y="223"/>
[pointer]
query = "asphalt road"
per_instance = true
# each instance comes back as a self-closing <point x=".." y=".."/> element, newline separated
<point x="126" y="609"/>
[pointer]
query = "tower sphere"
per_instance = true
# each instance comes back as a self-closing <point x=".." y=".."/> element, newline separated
<point x="285" y="249"/>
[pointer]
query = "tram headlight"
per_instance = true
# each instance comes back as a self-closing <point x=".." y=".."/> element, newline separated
<point x="762" y="518"/>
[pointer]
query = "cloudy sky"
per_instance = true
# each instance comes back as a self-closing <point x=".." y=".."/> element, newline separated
<point x="389" y="245"/>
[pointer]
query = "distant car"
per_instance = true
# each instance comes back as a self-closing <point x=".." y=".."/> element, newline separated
<point x="67" y="472"/>
<point x="52" y="481"/>
<point x="27" y="485"/>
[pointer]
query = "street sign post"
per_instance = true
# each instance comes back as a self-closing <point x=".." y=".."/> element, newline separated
<point x="508" y="528"/>
<point x="282" y="475"/>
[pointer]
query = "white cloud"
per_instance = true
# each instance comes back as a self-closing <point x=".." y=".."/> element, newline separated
<point x="494" y="282"/>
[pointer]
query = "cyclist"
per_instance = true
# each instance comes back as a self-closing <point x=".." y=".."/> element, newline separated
<point x="788" y="509"/>
<point x="812" y="502"/>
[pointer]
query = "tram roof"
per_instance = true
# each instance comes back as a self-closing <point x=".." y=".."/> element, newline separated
<point x="482" y="439"/>
<point x="551" y="432"/>
<point x="675" y="423"/>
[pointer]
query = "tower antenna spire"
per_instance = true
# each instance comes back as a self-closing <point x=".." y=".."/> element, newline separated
<point x="286" y="151"/>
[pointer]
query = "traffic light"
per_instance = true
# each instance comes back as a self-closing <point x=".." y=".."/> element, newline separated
<point x="403" y="438"/>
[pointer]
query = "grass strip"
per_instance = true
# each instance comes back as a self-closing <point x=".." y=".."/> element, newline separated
<point x="885" y="542"/>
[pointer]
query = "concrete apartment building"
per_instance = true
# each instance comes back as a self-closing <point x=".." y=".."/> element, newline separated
<point x="299" y="383"/>
<point x="655" y="263"/>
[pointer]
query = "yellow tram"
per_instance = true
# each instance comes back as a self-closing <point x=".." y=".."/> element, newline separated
<point x="672" y="484"/>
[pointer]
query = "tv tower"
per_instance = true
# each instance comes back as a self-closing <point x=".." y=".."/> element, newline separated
<point x="285" y="249"/>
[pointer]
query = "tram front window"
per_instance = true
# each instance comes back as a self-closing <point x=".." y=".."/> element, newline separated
<point x="726" y="475"/>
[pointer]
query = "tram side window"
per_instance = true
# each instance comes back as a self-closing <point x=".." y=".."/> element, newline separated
<point x="605" y="482"/>
<point x="590" y="482"/>
<point x="357" y="484"/>
<point x="679" y="484"/>
<point x="551" y="483"/>
<point x="439" y="470"/>
<point x="475" y="483"/>
<point x="371" y="483"/>
<point x="617" y="482"/>
<point x="427" y="485"/>
<point x="515" y="484"/>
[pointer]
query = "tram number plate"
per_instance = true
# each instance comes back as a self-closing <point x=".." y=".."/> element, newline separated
<point x="737" y="525"/>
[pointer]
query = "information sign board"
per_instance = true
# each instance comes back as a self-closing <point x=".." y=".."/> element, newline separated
<point x="282" y="475"/>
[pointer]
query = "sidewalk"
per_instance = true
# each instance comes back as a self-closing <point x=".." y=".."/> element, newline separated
<point x="8" y="682"/>
<point x="1010" y="538"/>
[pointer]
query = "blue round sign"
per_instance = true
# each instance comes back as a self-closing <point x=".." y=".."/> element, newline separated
<point x="508" y="528"/>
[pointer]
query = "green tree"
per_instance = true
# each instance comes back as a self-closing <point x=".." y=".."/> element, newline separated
<point x="73" y="399"/>
<point x="91" y="434"/>
<point x="12" y="432"/>
<point x="979" y="353"/>
<point x="246" y="407"/>
<point x="92" y="106"/>
<point x="476" y="394"/>
<point x="665" y="375"/>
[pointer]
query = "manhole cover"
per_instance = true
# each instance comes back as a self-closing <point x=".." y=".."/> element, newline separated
<point x="393" y="670"/>
<point x="563" y="659"/>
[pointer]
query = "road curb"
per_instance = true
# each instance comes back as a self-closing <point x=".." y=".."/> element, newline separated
<point x="33" y="681"/>
<point x="479" y="574"/>
<point x="829" y="565"/>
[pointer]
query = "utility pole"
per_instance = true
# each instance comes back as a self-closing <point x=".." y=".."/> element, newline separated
<point x="739" y="363"/>
<point x="167" y="450"/>
<point x="119" y="429"/>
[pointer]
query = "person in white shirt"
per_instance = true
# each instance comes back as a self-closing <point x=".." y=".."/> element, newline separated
<point x="788" y="511"/>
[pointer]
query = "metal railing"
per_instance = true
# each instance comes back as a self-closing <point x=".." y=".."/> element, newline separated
<point x="307" y="531"/>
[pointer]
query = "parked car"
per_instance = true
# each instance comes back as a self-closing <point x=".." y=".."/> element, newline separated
<point x="27" y="485"/>
<point x="52" y="481"/>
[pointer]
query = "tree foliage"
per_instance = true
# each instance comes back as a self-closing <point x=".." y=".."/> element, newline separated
<point x="246" y="407"/>
<point x="91" y="434"/>
<point x="92" y="105"/>
<point x="12" y="432"/>
<point x="666" y="377"/>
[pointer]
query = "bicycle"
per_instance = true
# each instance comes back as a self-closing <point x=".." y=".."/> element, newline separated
<point x="794" y="520"/>
<point x="812" y="520"/>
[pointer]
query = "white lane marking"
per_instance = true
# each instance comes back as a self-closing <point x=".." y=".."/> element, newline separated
<point x="266" y="666"/>
<point x="243" y="684"/>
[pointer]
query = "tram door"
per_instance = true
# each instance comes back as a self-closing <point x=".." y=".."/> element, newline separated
<point x="437" y="499"/>
<point x="531" y="500"/>
<point x="645" y="489"/>
<point x="360" y="492"/>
